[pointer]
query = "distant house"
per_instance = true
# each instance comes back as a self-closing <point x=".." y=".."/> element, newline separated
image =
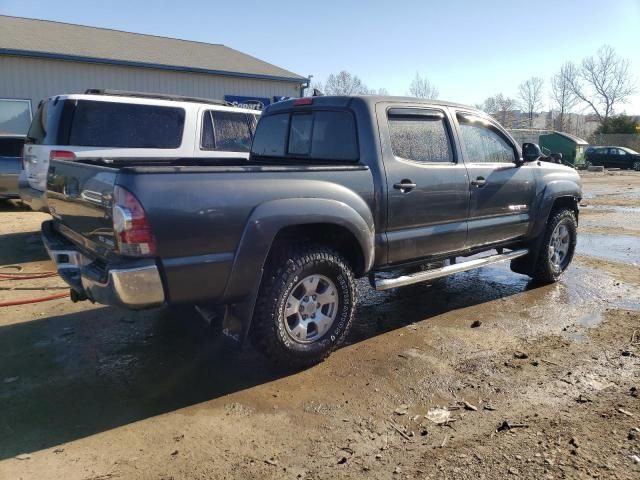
<point x="571" y="147"/>
<point x="40" y="58"/>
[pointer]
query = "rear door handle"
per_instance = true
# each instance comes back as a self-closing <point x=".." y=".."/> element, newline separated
<point x="405" y="186"/>
<point x="479" y="182"/>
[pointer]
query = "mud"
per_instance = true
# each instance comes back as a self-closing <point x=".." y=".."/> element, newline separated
<point x="92" y="392"/>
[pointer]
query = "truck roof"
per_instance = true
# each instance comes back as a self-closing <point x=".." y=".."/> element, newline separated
<point x="371" y="100"/>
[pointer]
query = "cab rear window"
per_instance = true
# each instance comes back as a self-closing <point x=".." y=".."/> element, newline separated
<point x="315" y="135"/>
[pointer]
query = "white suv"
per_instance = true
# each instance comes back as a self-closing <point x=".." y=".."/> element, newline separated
<point x="119" y="125"/>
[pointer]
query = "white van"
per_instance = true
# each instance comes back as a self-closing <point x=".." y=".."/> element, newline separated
<point x="114" y="124"/>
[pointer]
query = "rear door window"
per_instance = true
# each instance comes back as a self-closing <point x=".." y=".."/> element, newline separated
<point x="316" y="135"/>
<point x="124" y="125"/>
<point x="226" y="131"/>
<point x="419" y="137"/>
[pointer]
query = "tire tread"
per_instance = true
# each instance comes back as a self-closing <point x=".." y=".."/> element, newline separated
<point x="281" y="265"/>
<point x="542" y="272"/>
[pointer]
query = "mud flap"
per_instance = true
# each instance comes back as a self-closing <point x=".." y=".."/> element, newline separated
<point x="237" y="320"/>
<point x="527" y="264"/>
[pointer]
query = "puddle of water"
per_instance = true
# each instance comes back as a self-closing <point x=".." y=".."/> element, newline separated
<point x="619" y="248"/>
<point x="592" y="320"/>
<point x="614" y="208"/>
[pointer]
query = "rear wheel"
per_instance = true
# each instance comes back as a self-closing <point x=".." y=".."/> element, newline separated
<point x="305" y="306"/>
<point x="558" y="246"/>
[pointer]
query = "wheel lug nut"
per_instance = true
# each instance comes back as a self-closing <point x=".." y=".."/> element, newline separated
<point x="314" y="297"/>
<point x="306" y="299"/>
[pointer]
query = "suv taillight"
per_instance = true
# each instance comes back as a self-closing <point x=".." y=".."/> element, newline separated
<point x="61" y="155"/>
<point x="131" y="226"/>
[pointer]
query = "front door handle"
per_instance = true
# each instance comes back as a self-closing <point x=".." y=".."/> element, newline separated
<point x="405" y="186"/>
<point x="479" y="182"/>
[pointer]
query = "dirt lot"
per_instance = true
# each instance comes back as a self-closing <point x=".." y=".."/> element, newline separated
<point x="89" y="392"/>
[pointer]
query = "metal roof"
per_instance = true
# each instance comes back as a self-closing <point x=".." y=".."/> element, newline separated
<point x="573" y="138"/>
<point x="64" y="41"/>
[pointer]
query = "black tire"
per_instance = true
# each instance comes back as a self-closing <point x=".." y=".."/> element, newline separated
<point x="284" y="271"/>
<point x="636" y="166"/>
<point x="545" y="270"/>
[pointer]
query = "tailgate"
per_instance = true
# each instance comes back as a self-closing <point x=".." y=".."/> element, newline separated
<point x="79" y="196"/>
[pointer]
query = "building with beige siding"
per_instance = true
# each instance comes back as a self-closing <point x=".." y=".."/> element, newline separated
<point x="39" y="59"/>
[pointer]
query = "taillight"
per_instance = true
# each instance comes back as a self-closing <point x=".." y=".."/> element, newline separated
<point x="131" y="226"/>
<point x="61" y="155"/>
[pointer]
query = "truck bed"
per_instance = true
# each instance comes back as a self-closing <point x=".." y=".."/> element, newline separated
<point x="198" y="213"/>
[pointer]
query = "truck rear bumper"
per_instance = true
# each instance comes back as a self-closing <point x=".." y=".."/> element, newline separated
<point x="136" y="287"/>
<point x="32" y="197"/>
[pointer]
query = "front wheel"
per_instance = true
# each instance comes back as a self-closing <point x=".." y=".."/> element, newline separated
<point x="305" y="306"/>
<point x="636" y="165"/>
<point x="558" y="246"/>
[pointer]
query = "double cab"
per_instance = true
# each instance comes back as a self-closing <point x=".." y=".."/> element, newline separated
<point x="397" y="190"/>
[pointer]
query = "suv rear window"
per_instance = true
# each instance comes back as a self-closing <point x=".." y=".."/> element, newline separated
<point x="87" y="123"/>
<point x="317" y="135"/>
<point x="124" y="125"/>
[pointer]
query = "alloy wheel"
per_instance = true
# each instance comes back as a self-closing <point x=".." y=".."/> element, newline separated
<point x="311" y="308"/>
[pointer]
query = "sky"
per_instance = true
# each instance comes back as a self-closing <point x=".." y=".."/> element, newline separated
<point x="469" y="49"/>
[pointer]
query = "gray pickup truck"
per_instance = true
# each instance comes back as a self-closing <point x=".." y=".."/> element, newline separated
<point x="400" y="190"/>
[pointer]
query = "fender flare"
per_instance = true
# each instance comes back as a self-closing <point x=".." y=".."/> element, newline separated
<point x="552" y="192"/>
<point x="261" y="228"/>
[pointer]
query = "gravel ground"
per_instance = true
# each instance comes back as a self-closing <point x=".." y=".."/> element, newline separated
<point x="545" y="387"/>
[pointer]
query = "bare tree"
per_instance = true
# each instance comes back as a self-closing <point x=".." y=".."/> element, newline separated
<point x="344" y="83"/>
<point x="421" y="87"/>
<point x="501" y="108"/>
<point x="563" y="97"/>
<point x="530" y="93"/>
<point x="602" y="81"/>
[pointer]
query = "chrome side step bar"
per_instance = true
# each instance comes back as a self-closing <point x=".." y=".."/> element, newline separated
<point x="388" y="283"/>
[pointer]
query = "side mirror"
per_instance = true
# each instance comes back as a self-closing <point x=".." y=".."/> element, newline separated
<point x="531" y="152"/>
